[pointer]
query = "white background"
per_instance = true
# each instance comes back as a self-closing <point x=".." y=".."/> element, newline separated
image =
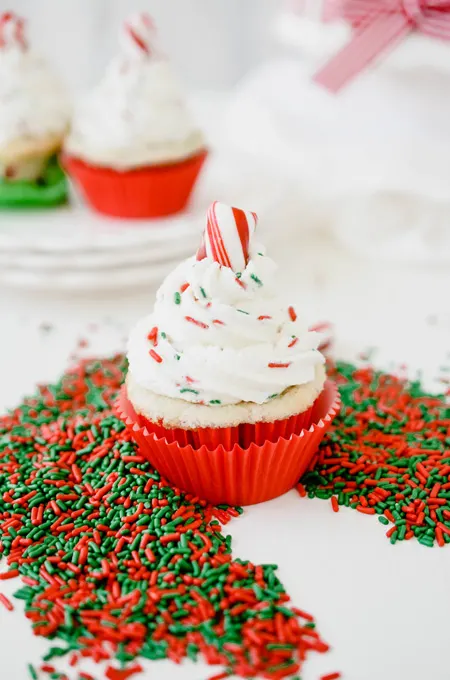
<point x="212" y="42"/>
<point x="385" y="609"/>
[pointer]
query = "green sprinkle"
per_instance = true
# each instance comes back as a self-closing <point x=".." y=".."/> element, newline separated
<point x="215" y="401"/>
<point x="32" y="673"/>
<point x="242" y="311"/>
<point x="188" y="389"/>
<point x="177" y="298"/>
<point x="256" y="279"/>
<point x="203" y="292"/>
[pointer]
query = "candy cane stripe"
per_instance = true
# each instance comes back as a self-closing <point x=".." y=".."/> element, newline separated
<point x="139" y="35"/>
<point x="216" y="241"/>
<point x="227" y="236"/>
<point x="138" y="40"/>
<point x="12" y="32"/>
<point x="242" y="228"/>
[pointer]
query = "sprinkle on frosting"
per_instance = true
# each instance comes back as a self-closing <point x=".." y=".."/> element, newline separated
<point x="244" y="345"/>
<point x="155" y="356"/>
<point x="198" y="323"/>
<point x="292" y="313"/>
<point x="153" y="335"/>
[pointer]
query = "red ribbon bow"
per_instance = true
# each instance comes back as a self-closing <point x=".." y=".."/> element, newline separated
<point x="378" y="25"/>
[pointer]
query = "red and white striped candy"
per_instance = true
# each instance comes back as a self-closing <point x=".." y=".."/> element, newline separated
<point x="12" y="31"/>
<point x="226" y="238"/>
<point x="138" y="37"/>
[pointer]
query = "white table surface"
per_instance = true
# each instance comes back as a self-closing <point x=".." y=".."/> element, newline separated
<point x="384" y="609"/>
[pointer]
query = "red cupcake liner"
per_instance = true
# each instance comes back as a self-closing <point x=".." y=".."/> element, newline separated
<point x="240" y="475"/>
<point x="153" y="191"/>
<point x="242" y="435"/>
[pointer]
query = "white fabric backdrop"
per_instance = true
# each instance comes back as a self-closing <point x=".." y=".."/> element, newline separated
<point x="212" y="42"/>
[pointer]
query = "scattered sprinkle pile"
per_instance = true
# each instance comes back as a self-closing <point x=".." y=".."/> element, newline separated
<point x="388" y="454"/>
<point x="117" y="564"/>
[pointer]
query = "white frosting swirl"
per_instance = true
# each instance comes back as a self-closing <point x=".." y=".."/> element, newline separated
<point x="222" y="340"/>
<point x="33" y="103"/>
<point x="136" y="116"/>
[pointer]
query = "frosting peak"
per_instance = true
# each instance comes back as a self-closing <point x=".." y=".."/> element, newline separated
<point x="33" y="103"/>
<point x="136" y="116"/>
<point x="219" y="337"/>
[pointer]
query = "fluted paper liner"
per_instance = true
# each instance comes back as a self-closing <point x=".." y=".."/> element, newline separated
<point x="152" y="191"/>
<point x="238" y="475"/>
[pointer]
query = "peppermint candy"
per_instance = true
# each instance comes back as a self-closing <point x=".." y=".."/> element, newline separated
<point x="12" y="31"/>
<point x="138" y="37"/>
<point x="226" y="238"/>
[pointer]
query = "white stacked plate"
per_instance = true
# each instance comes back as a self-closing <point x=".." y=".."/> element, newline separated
<point x="73" y="249"/>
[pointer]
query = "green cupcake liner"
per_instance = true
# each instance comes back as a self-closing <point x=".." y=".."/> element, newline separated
<point x="49" y="190"/>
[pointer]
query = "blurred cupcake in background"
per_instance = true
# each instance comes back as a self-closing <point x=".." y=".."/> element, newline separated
<point x="34" y="117"/>
<point x="134" y="150"/>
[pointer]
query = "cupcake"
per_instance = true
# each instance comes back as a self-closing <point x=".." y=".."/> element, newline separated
<point x="226" y="392"/>
<point x="34" y="117"/>
<point x="133" y="150"/>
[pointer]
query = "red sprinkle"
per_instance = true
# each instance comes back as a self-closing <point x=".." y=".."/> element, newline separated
<point x="154" y="355"/>
<point x="292" y="313"/>
<point x="9" y="574"/>
<point x="293" y="342"/>
<point x="331" y="676"/>
<point x="184" y="287"/>
<point x="263" y="316"/>
<point x="196" y="322"/>
<point x="153" y="335"/>
<point x="365" y="511"/>
<point x="6" y="603"/>
<point x="275" y="365"/>
<point x="122" y="674"/>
